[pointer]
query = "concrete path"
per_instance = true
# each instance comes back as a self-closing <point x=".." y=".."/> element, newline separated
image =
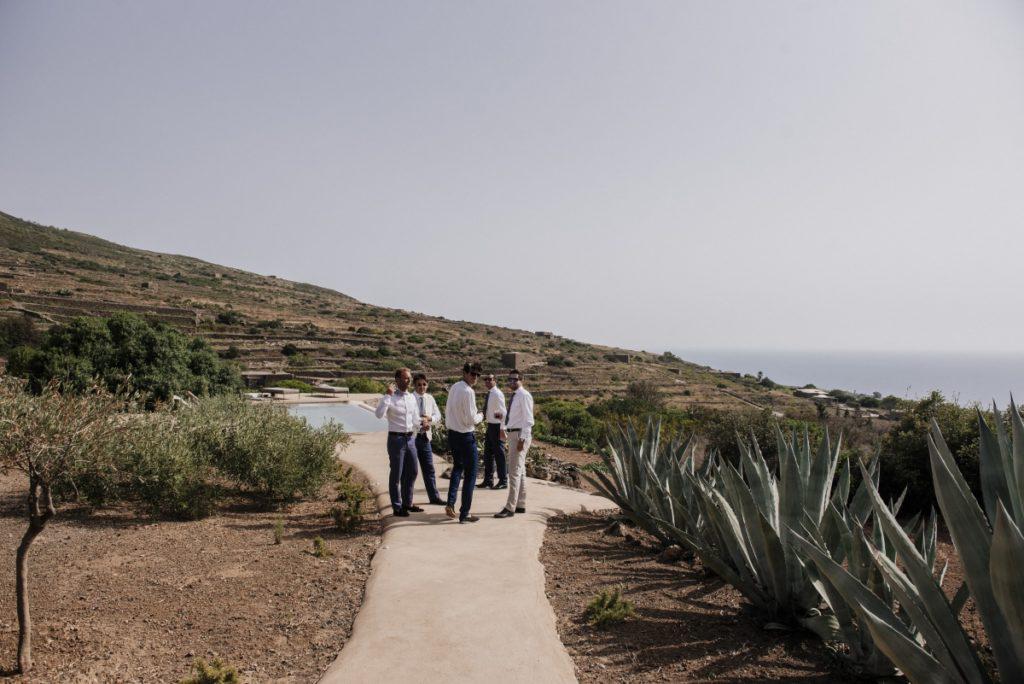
<point x="457" y="603"/>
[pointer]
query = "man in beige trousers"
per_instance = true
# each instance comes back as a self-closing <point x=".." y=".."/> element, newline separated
<point x="519" y="429"/>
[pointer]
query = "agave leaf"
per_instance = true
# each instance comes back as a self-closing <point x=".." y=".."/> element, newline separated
<point x="992" y="468"/>
<point x="947" y="646"/>
<point x="931" y="597"/>
<point x="969" y="531"/>
<point x="917" y="664"/>
<point x="841" y="493"/>
<point x="1016" y="469"/>
<point x="1008" y="579"/>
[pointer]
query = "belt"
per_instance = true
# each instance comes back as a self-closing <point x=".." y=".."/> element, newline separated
<point x="399" y="434"/>
<point x="513" y="429"/>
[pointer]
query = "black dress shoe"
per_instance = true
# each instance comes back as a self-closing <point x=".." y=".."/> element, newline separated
<point x="402" y="513"/>
<point x="520" y="510"/>
<point x="468" y="519"/>
<point x="484" y="485"/>
<point x="438" y="502"/>
<point x="414" y="509"/>
<point x="504" y="513"/>
<point x="501" y="485"/>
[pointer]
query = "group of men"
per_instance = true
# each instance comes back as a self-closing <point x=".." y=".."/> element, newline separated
<point x="412" y="416"/>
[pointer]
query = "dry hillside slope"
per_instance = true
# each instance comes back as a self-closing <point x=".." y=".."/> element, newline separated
<point x="53" y="275"/>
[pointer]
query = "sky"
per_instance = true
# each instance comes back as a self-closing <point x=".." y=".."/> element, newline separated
<point x="812" y="175"/>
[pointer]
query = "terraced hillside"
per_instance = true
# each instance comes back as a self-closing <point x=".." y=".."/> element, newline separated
<point x="52" y="275"/>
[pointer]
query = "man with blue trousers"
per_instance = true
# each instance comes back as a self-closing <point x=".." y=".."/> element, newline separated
<point x="461" y="417"/>
<point x="403" y="414"/>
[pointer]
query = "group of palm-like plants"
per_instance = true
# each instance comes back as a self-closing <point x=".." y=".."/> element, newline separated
<point x="808" y="551"/>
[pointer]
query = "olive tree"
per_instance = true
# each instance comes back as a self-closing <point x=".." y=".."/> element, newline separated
<point x="52" y="438"/>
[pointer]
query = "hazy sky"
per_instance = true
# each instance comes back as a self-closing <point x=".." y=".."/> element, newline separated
<point x="774" y="175"/>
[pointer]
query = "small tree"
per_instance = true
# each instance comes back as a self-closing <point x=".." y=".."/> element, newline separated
<point x="54" y="439"/>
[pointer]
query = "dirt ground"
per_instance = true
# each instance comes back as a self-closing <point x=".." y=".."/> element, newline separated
<point x="119" y="598"/>
<point x="689" y="626"/>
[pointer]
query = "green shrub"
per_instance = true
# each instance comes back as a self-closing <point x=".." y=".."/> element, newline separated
<point x="214" y="672"/>
<point x="273" y="454"/>
<point x="18" y="332"/>
<point x="300" y="360"/>
<point x="608" y="607"/>
<point x="345" y="519"/>
<point x="125" y="351"/>
<point x="232" y="352"/>
<point x="230" y="318"/>
<point x="905" y="459"/>
<point x="290" y="349"/>
<point x="160" y="466"/>
<point x="278" y="530"/>
<point x="569" y="420"/>
<point x="292" y="383"/>
<point x="365" y="386"/>
<point x="320" y="549"/>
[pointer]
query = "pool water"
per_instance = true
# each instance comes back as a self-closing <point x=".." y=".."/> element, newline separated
<point x="351" y="417"/>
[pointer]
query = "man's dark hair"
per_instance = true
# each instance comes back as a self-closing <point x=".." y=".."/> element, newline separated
<point x="399" y="371"/>
<point x="518" y="374"/>
<point x="419" y="376"/>
<point x="472" y="367"/>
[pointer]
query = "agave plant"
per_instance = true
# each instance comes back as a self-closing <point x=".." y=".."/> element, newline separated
<point x="927" y="642"/>
<point x="639" y="465"/>
<point x="747" y="513"/>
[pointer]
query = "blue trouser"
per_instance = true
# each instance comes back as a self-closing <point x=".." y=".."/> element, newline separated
<point x="464" y="456"/>
<point x="426" y="456"/>
<point x="494" y="455"/>
<point x="402" y="475"/>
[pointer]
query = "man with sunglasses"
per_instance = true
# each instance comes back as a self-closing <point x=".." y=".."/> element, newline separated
<point x="494" y="443"/>
<point x="461" y="417"/>
<point x="519" y="428"/>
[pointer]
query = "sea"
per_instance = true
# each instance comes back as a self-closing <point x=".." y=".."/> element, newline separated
<point x="963" y="378"/>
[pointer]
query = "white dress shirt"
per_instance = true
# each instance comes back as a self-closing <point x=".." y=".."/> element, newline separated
<point x="520" y="413"/>
<point x="495" y="402"/>
<point x="460" y="413"/>
<point x="403" y="414"/>
<point x="426" y="406"/>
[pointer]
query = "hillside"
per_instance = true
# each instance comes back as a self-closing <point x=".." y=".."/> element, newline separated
<point x="53" y="275"/>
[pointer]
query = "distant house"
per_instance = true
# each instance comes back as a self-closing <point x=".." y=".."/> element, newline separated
<point x="510" y="359"/>
<point x="544" y="333"/>
<point x="619" y="358"/>
<point x="814" y="394"/>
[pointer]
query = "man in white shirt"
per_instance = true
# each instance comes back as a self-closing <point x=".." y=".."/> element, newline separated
<point x="461" y="417"/>
<point x="494" y="445"/>
<point x="429" y="417"/>
<point x="403" y="422"/>
<point x="519" y="428"/>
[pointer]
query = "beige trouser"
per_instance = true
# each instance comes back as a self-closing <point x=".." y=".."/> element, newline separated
<point x="516" y="472"/>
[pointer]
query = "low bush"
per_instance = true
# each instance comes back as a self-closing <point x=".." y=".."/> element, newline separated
<point x="290" y="349"/>
<point x="608" y="607"/>
<point x="365" y="386"/>
<point x="214" y="672"/>
<point x="320" y="549"/>
<point x="292" y="383"/>
<point x="160" y="466"/>
<point x="273" y="454"/>
<point x="230" y="318"/>
<point x="278" y="531"/>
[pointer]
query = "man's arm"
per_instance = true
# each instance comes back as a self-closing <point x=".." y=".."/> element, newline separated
<point x="382" y="405"/>
<point x="435" y="412"/>
<point x="500" y="412"/>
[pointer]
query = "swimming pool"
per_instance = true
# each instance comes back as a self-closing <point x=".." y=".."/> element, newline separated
<point x="351" y="417"/>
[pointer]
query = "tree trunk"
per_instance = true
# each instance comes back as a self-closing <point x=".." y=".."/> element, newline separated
<point x="37" y="520"/>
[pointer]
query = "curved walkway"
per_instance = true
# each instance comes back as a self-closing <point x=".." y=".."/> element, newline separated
<point x="457" y="603"/>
